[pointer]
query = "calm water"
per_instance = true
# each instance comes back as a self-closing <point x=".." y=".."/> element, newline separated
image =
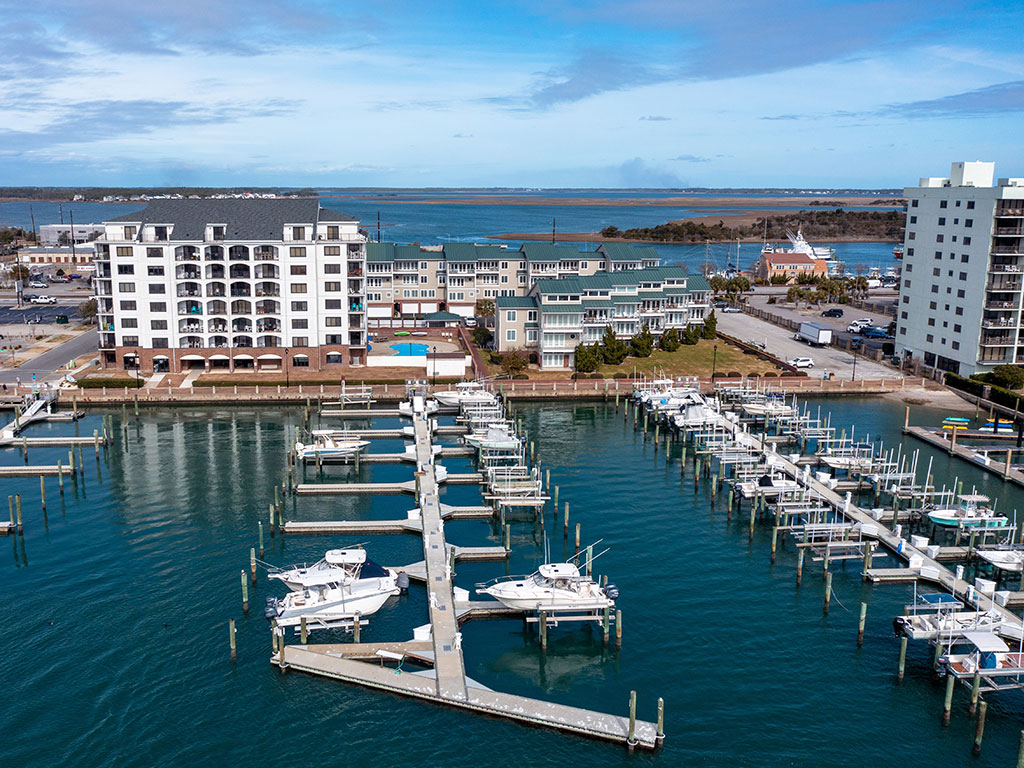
<point x="115" y="637"/>
<point x="406" y="222"/>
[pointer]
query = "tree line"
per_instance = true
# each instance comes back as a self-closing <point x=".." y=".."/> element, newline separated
<point x="612" y="350"/>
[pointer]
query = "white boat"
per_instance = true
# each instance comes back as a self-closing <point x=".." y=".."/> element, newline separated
<point x="554" y="587"/>
<point x="1009" y="560"/>
<point x="328" y="444"/>
<point x="985" y="654"/>
<point x="464" y="392"/>
<point x="972" y="512"/>
<point x="418" y="405"/>
<point x="336" y="566"/>
<point x="497" y="437"/>
<point x="849" y="462"/>
<point x="768" y="486"/>
<point x="335" y="603"/>
<point x="947" y="624"/>
<point x="694" y="414"/>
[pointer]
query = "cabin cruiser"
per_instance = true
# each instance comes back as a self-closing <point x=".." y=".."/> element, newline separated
<point x="553" y="587"/>
<point x="328" y="444"/>
<point x="972" y="512"/>
<point x="360" y="588"/>
<point x="465" y="392"/>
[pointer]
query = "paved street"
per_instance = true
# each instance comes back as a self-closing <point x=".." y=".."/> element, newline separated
<point x="50" y="361"/>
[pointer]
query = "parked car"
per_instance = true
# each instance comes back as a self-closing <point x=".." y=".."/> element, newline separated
<point x="719" y="304"/>
<point x="38" y="284"/>
<point x="801" y="362"/>
<point x="44" y="300"/>
<point x="857" y="326"/>
<point x="875" y="333"/>
<point x="60" y="279"/>
<point x="469" y="322"/>
<point x="730" y="308"/>
<point x="833" y="312"/>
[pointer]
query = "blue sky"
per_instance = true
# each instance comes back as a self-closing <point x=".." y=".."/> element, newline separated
<point x="562" y="93"/>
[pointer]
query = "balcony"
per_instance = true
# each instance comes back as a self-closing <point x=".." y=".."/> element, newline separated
<point x="355" y="272"/>
<point x="186" y="253"/>
<point x="998" y="340"/>
<point x="1001" y="305"/>
<point x="1000" y="322"/>
<point x="1009" y="210"/>
<point x="1003" y="285"/>
<point x="1014" y="249"/>
<point x="1009" y="231"/>
<point x="265" y="253"/>
<point x="1004" y="269"/>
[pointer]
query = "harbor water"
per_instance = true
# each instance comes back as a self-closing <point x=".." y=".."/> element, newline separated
<point x="118" y="600"/>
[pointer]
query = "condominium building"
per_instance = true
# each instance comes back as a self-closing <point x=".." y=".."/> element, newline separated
<point x="963" y="275"/>
<point x="230" y="284"/>
<point x="558" y="315"/>
<point x="62" y="234"/>
<point x="405" y="282"/>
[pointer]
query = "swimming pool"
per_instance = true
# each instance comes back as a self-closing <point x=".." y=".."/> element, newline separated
<point x="410" y="349"/>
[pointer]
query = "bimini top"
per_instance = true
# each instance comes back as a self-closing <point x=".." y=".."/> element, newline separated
<point x="467" y="385"/>
<point x="559" y="571"/>
<point x="974" y="498"/>
<point x="345" y="556"/>
<point x="986" y="642"/>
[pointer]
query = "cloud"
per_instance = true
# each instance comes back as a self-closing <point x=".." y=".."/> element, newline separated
<point x="691" y="159"/>
<point x="656" y="118"/>
<point x="994" y="99"/>
<point x="637" y="173"/>
<point x="589" y="74"/>
<point x="462" y="135"/>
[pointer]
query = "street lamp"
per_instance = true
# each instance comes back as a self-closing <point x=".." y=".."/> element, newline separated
<point x="287" y="379"/>
<point x="714" y="363"/>
<point x="853" y="376"/>
<point x="433" y="352"/>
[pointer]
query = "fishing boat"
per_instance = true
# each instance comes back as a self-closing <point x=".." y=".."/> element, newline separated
<point x="695" y="412"/>
<point x="997" y="427"/>
<point x="985" y="654"/>
<point x="497" y="437"/>
<point x="335" y="603"/>
<point x="465" y="392"/>
<point x="336" y="566"/>
<point x="972" y="512"/>
<point x="1009" y="560"/>
<point x="553" y="587"/>
<point x="329" y="444"/>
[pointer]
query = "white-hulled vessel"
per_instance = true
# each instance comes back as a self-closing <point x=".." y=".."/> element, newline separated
<point x="497" y="437"/>
<point x="328" y="444"/>
<point x="464" y="392"/>
<point x="337" y="565"/>
<point x="553" y="587"/>
<point x="328" y="603"/>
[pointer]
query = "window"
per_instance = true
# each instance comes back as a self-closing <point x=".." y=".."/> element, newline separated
<point x="333" y="233"/>
<point x="936" y="272"/>
<point x="968" y="222"/>
<point x="929" y="337"/>
<point x="903" y="330"/>
<point x="300" y="341"/>
<point x="423" y="278"/>
<point x="910" y="251"/>
<point x="911" y="235"/>
<point x="531" y="335"/>
<point x="158" y="325"/>
<point x="297" y="269"/>
<point x="300" y="325"/>
<point x="913" y="203"/>
<point x="931" y="321"/>
<point x="942" y="220"/>
<point x="124" y="252"/>
<point x="943" y="203"/>
<point x="131" y="341"/>
<point x="154" y="271"/>
<point x="504" y="278"/>
<point x="963" y="258"/>
<point x="970" y="205"/>
<point x="298" y="233"/>
<point x="423" y="265"/>
<point x="157" y="288"/>
<point x="963" y="275"/>
<point x="955" y="345"/>
<point x="129" y="322"/>
<point x="939" y="238"/>
<point x="510" y="316"/>
<point x="332" y="287"/>
<point x="126" y="287"/>
<point x="510" y="334"/>
<point x="956" y="328"/>
<point x="906" y="299"/>
<point x="157" y="306"/>
<point x="297" y="251"/>
<point x="129" y="234"/>
<point x="329" y="250"/>
<point x="913" y="219"/>
<point x="961" y="293"/>
<point x="938" y="255"/>
<point x="331" y="269"/>
<point x="299" y="306"/>
<point x="959" y="310"/>
<point x="935" y="289"/>
<point x="332" y="304"/>
<point x="932" y="305"/>
<point x="903" y="315"/>
<point x="160" y="342"/>
<point x="967" y="241"/>
<point x="154" y="253"/>
<point x="332" y="322"/>
<point x="126" y="269"/>
<point x="298" y="287"/>
<point x="910" y="267"/>
<point x="531" y="316"/>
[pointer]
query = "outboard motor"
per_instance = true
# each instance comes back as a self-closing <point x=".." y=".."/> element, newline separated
<point x="402" y="582"/>
<point x="270" y="611"/>
<point x="897" y="626"/>
<point x="611" y="592"/>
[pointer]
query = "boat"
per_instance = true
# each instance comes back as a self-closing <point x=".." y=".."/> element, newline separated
<point x="418" y="405"/>
<point x="998" y="427"/>
<point x="818" y="253"/>
<point x="553" y="587"/>
<point x="497" y="437"/>
<point x="695" y="412"/>
<point x="940" y="616"/>
<point x="336" y="566"/>
<point x="1009" y="560"/>
<point x="972" y="512"/>
<point x="329" y="444"/>
<point x="985" y="654"/>
<point x="464" y="392"/>
<point x="335" y="603"/>
<point x="768" y="485"/>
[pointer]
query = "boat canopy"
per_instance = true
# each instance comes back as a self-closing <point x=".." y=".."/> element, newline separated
<point x="938" y="598"/>
<point x="974" y="498"/>
<point x="345" y="556"/>
<point x="986" y="642"/>
<point x="559" y="571"/>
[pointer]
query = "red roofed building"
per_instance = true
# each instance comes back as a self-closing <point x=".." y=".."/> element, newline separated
<point x="789" y="265"/>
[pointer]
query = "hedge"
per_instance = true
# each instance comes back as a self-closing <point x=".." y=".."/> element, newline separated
<point x="242" y="382"/>
<point x="98" y="382"/>
<point x="999" y="395"/>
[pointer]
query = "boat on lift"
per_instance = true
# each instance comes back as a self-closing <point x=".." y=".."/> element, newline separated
<point x="465" y="392"/>
<point x="553" y="588"/>
<point x="497" y="437"/>
<point x="940" y="616"/>
<point x="1009" y="560"/>
<point x="329" y="444"/>
<point x="336" y="566"/>
<point x="972" y="512"/>
<point x="984" y="654"/>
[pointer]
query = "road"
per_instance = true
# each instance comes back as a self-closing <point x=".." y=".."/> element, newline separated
<point x="837" y="324"/>
<point x="51" y="360"/>
<point x="780" y="342"/>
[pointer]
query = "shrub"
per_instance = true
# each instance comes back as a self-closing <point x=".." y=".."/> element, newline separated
<point x="520" y="376"/>
<point x="734" y="374"/>
<point x="596" y="376"/>
<point x="1008" y="376"/>
<point x="772" y="300"/>
<point x="710" y="326"/>
<point x="765" y="375"/>
<point x="642" y="344"/>
<point x="753" y="375"/>
<point x="613" y="349"/>
<point x="669" y="341"/>
<point x="482" y="336"/>
<point x="620" y="375"/>
<point x="96" y="382"/>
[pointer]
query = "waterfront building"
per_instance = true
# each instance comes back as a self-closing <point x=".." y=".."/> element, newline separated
<point x="405" y="283"/>
<point x="58" y="256"/>
<point x="60" y="234"/>
<point x="231" y="284"/>
<point x="558" y="315"/>
<point x="963" y="272"/>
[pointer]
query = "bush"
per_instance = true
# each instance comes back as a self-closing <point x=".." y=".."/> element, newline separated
<point x="753" y="375"/>
<point x="520" y="376"/>
<point x="96" y="382"/>
<point x="772" y="300"/>
<point x="669" y="340"/>
<point x="971" y="386"/>
<point x="735" y="374"/>
<point x="482" y="336"/>
<point x="596" y="376"/>
<point x="642" y="344"/>
<point x="620" y="375"/>
<point x="765" y="375"/>
<point x="1008" y="376"/>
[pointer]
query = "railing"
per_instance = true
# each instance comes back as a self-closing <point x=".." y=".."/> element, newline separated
<point x="1001" y="305"/>
<point x="1008" y="249"/>
<point x="1003" y="285"/>
<point x="1012" y="231"/>
<point x="998" y="341"/>
<point x="1009" y="211"/>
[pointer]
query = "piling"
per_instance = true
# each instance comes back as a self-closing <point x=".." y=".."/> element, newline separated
<point x="979" y="729"/>
<point x="277" y="499"/>
<point x="260" y="525"/>
<point x="71" y="461"/>
<point x="618" y="628"/>
<point x="96" y="441"/>
<point x="24" y="447"/>
<point x="975" y="691"/>
<point x="775" y="538"/>
<point x="828" y="591"/>
<point x="565" y="526"/>
<point x="799" y="566"/>
<point x="903" y="662"/>
<point x="245" y="593"/>
<point x="252" y="563"/>
<point x="271" y="521"/>
<point x="555" y="504"/>
<point x="42" y="491"/>
<point x="577" y="538"/>
<point x="606" y="624"/>
<point x="60" y="478"/>
<point x="10" y="508"/>
<point x="947" y="705"/>
<point x="631" y="738"/>
<point x="867" y="560"/>
<point x="17" y="506"/>
<point x="1020" y="751"/>
<point x="547" y="479"/>
<point x="753" y="513"/>
<point x="543" y="630"/>
<point x="303" y="632"/>
<point x="660" y="735"/>
<point x="231" y="638"/>
<point x="590" y="559"/>
<point x="508" y="537"/>
<point x="356" y="627"/>
<point x="81" y="464"/>
<point x="860" y="623"/>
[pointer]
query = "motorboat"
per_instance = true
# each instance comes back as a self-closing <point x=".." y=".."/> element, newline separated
<point x="972" y="512"/>
<point x="553" y="587"/>
<point x="329" y="444"/>
<point x="418" y="406"/>
<point x="335" y="603"/>
<point x="768" y="486"/>
<point x="1009" y="560"/>
<point x="336" y="566"/>
<point x="696" y="412"/>
<point x="985" y="654"/>
<point x="770" y="407"/>
<point x="940" y="616"/>
<point x="497" y="437"/>
<point x="465" y="392"/>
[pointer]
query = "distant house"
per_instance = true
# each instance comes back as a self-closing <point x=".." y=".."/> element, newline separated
<point x="774" y="264"/>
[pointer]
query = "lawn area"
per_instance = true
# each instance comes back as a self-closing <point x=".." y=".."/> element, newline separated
<point x="685" y="361"/>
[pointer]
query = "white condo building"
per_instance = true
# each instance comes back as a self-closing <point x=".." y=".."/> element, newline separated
<point x="231" y="284"/>
<point x="960" y="306"/>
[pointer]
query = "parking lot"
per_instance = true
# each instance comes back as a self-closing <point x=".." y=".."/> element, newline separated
<point x="37" y="313"/>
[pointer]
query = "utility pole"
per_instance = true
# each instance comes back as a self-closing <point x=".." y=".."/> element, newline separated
<point x="72" y="215"/>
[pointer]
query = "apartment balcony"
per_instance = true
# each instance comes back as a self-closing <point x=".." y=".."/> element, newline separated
<point x="186" y="253"/>
<point x="356" y="339"/>
<point x="188" y="274"/>
<point x="999" y="340"/>
<point x="355" y="272"/>
<point x="1012" y="249"/>
<point x="1001" y="305"/>
<point x="268" y="292"/>
<point x="1010" y="211"/>
<point x="108" y="341"/>
<point x="1017" y="231"/>
<point x="1001" y="322"/>
<point x="190" y="289"/>
<point x="216" y="289"/>
<point x="1005" y="269"/>
<point x="1004" y="285"/>
<point x="595" y="320"/>
<point x="190" y="326"/>
<point x="241" y="326"/>
<point x="219" y="327"/>
<point x="264" y="253"/>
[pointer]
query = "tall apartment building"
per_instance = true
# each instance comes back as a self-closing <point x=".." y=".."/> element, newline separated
<point x="231" y="284"/>
<point x="558" y="315"/>
<point x="409" y="281"/>
<point x="963" y="276"/>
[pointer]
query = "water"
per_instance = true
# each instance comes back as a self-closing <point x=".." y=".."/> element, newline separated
<point x="115" y="636"/>
<point x="409" y="350"/>
<point x="440" y="221"/>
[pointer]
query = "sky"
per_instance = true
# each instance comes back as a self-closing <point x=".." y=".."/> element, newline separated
<point x="507" y="93"/>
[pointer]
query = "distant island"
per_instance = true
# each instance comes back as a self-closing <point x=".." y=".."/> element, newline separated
<point x="133" y="194"/>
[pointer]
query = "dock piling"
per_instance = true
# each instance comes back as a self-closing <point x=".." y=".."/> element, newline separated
<point x="975" y="691"/>
<point x="60" y="478"/>
<point x="271" y="521"/>
<point x="799" y="566"/>
<point x="42" y="491"/>
<point x="618" y="628"/>
<point x="903" y="659"/>
<point x="252" y="563"/>
<point x="543" y="630"/>
<point x="775" y="538"/>
<point x="860" y="623"/>
<point x="355" y="627"/>
<point x="17" y="506"/>
<point x="660" y="735"/>
<point x="303" y="632"/>
<point x="260" y="526"/>
<point x="231" y="638"/>
<point x="828" y="590"/>
<point x="565" y="526"/>
<point x="947" y="705"/>
<point x="631" y="739"/>
<point x="245" y="593"/>
<point x="979" y="729"/>
<point x="577" y="538"/>
<point x="606" y="624"/>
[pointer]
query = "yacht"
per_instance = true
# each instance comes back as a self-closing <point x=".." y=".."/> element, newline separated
<point x="465" y="392"/>
<point x="972" y="512"/>
<point x="328" y="444"/>
<point x="552" y="588"/>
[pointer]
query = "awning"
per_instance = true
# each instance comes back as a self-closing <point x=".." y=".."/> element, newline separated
<point x="269" y="357"/>
<point x="243" y="357"/>
<point x="219" y="357"/>
<point x="191" y="357"/>
<point x="300" y="357"/>
<point x="160" y="357"/>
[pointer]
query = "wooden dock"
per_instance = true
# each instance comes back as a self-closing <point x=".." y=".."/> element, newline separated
<point x="975" y="454"/>
<point x="327" y="489"/>
<point x="35" y="471"/>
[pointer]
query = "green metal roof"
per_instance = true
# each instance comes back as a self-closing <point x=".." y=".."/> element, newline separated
<point x="435" y="317"/>
<point x="380" y="251"/>
<point x="551" y="252"/>
<point x="562" y="309"/>
<point x="628" y="252"/>
<point x="598" y="303"/>
<point x="531" y="325"/>
<point x="471" y="252"/>
<point x="515" y="302"/>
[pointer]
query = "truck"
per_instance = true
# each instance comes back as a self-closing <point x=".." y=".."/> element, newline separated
<point x="814" y="334"/>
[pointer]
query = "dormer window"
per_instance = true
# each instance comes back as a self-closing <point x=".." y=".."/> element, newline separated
<point x="160" y="233"/>
<point x="217" y="231"/>
<point x="129" y="233"/>
<point x="333" y="233"/>
<point x="298" y="233"/>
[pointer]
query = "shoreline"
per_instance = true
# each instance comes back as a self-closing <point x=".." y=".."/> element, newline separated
<point x="594" y="237"/>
